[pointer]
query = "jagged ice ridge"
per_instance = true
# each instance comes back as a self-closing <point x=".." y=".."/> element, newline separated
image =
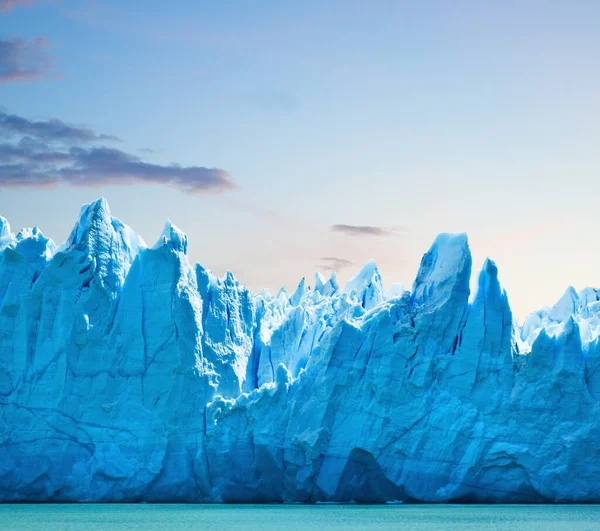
<point x="127" y="374"/>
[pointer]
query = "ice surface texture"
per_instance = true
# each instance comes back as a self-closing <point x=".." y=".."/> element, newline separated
<point x="128" y="374"/>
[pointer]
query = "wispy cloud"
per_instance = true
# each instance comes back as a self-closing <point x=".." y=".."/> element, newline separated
<point x="362" y="230"/>
<point x="7" y="5"/>
<point x="52" y="152"/>
<point x="334" y="263"/>
<point x="21" y="60"/>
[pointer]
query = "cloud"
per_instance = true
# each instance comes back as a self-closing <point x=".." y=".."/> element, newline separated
<point x="42" y="156"/>
<point x="103" y="166"/>
<point x="7" y="5"/>
<point x="333" y="263"/>
<point x="52" y="130"/>
<point x="25" y="61"/>
<point x="146" y="150"/>
<point x="28" y="150"/>
<point x="361" y="230"/>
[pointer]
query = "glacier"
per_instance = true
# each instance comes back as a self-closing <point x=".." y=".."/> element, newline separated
<point x="129" y="374"/>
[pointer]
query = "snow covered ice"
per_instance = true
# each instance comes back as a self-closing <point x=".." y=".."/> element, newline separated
<point x="129" y="374"/>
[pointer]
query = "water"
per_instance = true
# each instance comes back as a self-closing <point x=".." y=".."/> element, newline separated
<point x="149" y="517"/>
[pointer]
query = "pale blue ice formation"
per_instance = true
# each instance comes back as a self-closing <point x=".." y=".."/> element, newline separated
<point x="128" y="374"/>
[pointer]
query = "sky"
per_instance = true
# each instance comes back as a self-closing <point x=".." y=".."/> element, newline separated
<point x="287" y="138"/>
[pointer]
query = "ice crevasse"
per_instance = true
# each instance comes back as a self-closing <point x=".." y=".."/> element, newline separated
<point x="129" y="374"/>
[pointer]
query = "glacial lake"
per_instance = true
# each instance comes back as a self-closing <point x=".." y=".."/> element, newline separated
<point x="159" y="517"/>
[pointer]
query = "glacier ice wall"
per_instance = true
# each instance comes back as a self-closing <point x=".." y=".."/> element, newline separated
<point x="128" y="374"/>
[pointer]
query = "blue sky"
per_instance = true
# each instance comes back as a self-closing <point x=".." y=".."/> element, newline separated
<point x="415" y="117"/>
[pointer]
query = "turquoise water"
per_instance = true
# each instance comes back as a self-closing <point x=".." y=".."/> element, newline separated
<point x="148" y="517"/>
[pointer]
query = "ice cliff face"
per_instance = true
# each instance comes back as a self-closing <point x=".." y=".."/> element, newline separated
<point x="128" y="374"/>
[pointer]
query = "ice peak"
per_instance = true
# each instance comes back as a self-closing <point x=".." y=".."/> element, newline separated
<point x="297" y="295"/>
<point x="333" y="280"/>
<point x="332" y="285"/>
<point x="5" y="235"/>
<point x="100" y="203"/>
<point x="98" y="209"/>
<point x="93" y="218"/>
<point x="173" y="238"/>
<point x="367" y="275"/>
<point x="319" y="282"/>
<point x="4" y="227"/>
<point x="587" y="296"/>
<point x="366" y="286"/>
<point x="487" y="279"/>
<point x="566" y="306"/>
<point x="490" y="267"/>
<point x="445" y="266"/>
<point x="30" y="242"/>
<point x="326" y="287"/>
<point x="489" y="297"/>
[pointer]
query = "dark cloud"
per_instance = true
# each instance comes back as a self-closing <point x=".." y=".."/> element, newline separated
<point x="28" y="150"/>
<point x="103" y="166"/>
<point x="34" y="160"/>
<point x="49" y="131"/>
<point x="25" y="61"/>
<point x="361" y="230"/>
<point x="333" y="263"/>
